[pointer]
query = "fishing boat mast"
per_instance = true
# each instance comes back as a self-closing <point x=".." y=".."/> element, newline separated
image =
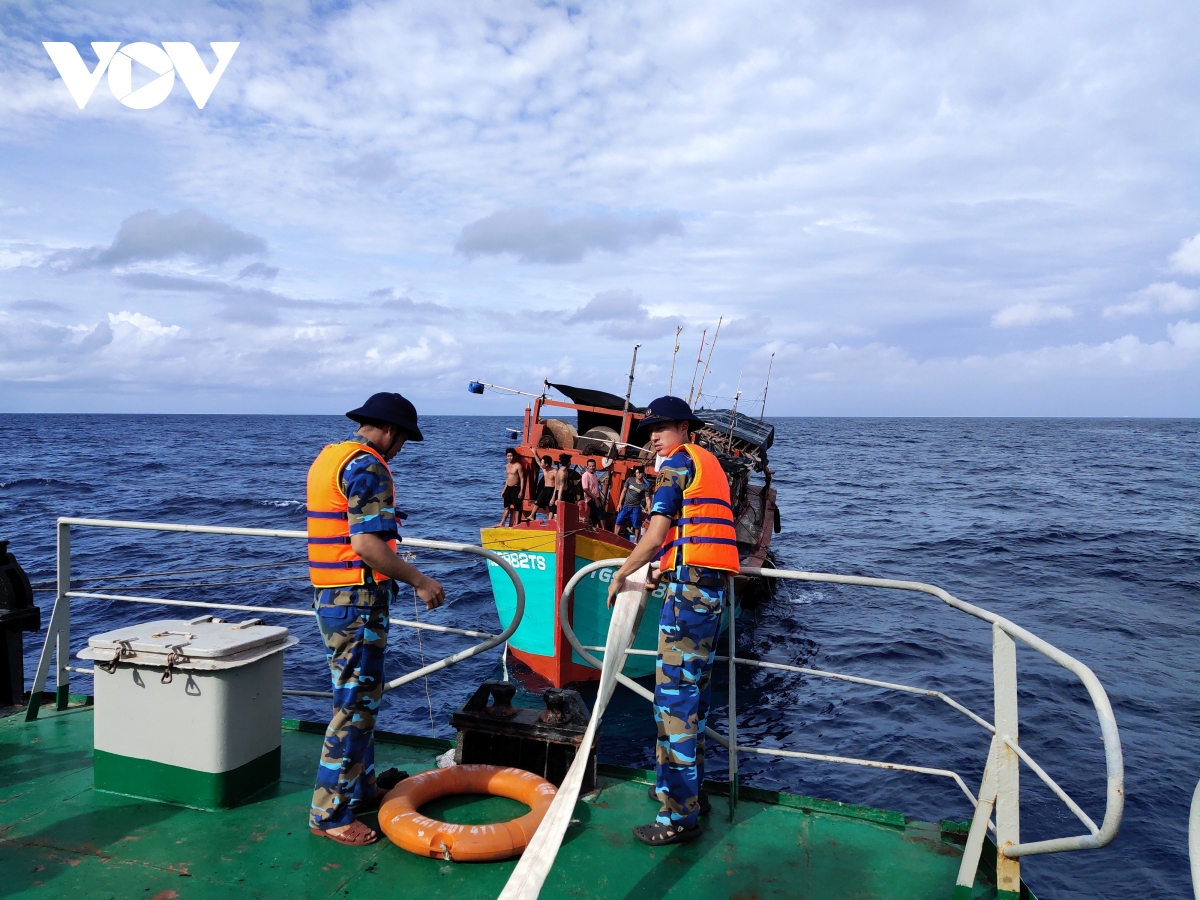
<point x="737" y="395"/>
<point x="675" y="353"/>
<point x="707" y="362"/>
<point x="767" y="387"/>
<point x="628" y="393"/>
<point x="696" y="368"/>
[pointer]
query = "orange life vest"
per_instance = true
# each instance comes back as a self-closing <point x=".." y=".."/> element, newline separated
<point x="703" y="535"/>
<point x="332" y="562"/>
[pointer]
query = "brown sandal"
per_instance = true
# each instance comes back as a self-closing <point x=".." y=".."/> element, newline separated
<point x="355" y="835"/>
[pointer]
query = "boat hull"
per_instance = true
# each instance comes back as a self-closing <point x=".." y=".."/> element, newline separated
<point x="538" y="554"/>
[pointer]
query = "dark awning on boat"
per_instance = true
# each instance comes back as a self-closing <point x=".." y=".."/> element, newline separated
<point x="743" y="427"/>
<point x="589" y="397"/>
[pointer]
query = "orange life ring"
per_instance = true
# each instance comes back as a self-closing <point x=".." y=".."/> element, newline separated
<point x="401" y="820"/>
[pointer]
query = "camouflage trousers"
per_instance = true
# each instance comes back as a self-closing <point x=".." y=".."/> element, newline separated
<point x="355" y="639"/>
<point x="687" y="636"/>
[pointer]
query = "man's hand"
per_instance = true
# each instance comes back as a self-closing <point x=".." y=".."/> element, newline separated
<point x="653" y="576"/>
<point x="615" y="587"/>
<point x="431" y="592"/>
<point x="645" y="551"/>
<point x="376" y="553"/>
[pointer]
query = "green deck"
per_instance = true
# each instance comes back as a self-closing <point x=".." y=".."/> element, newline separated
<point x="60" y="838"/>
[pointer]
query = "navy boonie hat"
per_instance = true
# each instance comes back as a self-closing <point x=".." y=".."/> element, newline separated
<point x="670" y="409"/>
<point x="392" y="409"/>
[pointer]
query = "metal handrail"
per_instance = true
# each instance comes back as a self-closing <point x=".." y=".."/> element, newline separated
<point x="1114" y="762"/>
<point x="58" y="634"/>
<point x="582" y="650"/>
<point x="1010" y="850"/>
<point x="1194" y="841"/>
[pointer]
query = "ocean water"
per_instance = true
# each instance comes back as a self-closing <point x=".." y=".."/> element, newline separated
<point x="1086" y="532"/>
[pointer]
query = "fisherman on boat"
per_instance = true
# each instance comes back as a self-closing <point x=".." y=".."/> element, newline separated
<point x="352" y="537"/>
<point x="544" y="501"/>
<point x="593" y="493"/>
<point x="633" y="505"/>
<point x="514" y="489"/>
<point x="691" y="535"/>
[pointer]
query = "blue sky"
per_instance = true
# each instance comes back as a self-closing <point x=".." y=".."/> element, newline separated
<point x="919" y="208"/>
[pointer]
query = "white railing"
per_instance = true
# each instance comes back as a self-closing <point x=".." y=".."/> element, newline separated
<point x="1000" y="789"/>
<point x="57" y="647"/>
<point x="1194" y="841"/>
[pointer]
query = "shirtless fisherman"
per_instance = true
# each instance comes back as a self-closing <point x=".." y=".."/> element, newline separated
<point x="544" y="502"/>
<point x="514" y="489"/>
<point x="562" y="489"/>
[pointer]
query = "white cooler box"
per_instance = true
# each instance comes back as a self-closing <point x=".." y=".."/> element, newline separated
<point x="188" y="712"/>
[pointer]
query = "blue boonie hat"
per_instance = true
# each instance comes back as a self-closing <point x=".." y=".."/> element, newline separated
<point x="670" y="409"/>
<point x="392" y="409"/>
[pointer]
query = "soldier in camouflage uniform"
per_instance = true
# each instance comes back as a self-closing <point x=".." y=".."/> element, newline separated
<point x="353" y="621"/>
<point x="688" y="628"/>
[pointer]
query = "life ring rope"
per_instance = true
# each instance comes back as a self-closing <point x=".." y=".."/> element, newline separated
<point x="401" y="820"/>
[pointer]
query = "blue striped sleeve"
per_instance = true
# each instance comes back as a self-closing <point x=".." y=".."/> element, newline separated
<point x="674" y="475"/>
<point x="371" y="501"/>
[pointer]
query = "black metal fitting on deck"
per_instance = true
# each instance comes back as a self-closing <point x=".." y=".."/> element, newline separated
<point x="17" y="614"/>
<point x="541" y="741"/>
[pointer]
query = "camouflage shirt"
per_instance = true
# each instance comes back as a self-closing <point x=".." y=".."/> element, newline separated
<point x="370" y="491"/>
<point x="674" y="475"/>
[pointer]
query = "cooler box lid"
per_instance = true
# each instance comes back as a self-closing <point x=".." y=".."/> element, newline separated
<point x="203" y="640"/>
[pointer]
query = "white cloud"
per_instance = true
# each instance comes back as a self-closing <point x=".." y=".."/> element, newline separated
<point x="842" y="176"/>
<point x="1185" y="334"/>
<point x="1122" y="376"/>
<point x="1187" y="258"/>
<point x="1022" y="314"/>
<point x="136" y="323"/>
<point x="1163" y="297"/>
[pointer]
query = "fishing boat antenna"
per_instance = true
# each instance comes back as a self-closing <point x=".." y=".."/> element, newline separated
<point x="711" y="346"/>
<point x="632" y="366"/>
<point x="671" y="383"/>
<point x="767" y="386"/>
<point x="696" y="368"/>
<point x="733" y="419"/>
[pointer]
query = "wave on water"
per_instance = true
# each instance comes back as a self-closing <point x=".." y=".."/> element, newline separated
<point x="39" y="484"/>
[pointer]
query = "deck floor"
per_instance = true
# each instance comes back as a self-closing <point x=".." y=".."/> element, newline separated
<point x="61" y="838"/>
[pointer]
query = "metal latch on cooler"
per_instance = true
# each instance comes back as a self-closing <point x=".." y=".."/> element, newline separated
<point x="174" y="652"/>
<point x="123" y="650"/>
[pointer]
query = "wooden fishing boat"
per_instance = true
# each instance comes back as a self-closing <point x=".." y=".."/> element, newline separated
<point x="547" y="553"/>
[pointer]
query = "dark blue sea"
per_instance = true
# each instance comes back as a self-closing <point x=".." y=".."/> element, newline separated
<point x="1086" y="532"/>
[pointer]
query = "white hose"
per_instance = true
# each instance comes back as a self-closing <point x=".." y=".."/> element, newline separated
<point x="527" y="878"/>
